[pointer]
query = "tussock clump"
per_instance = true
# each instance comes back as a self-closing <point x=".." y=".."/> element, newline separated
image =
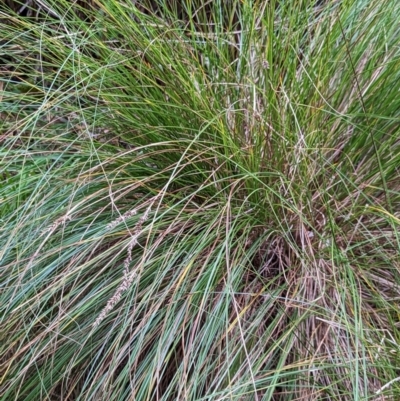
<point x="251" y="152"/>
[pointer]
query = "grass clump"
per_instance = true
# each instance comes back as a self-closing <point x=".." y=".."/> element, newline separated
<point x="200" y="200"/>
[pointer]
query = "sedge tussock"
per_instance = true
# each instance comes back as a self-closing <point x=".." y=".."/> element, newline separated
<point x="221" y="182"/>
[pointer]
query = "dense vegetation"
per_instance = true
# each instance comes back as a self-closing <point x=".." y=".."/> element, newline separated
<point x="200" y="200"/>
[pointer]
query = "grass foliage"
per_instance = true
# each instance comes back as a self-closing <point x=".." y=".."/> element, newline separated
<point x="200" y="200"/>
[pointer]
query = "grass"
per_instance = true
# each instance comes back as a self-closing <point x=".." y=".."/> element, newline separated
<point x="200" y="201"/>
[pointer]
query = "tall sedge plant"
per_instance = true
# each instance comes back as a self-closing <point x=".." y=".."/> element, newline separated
<point x="199" y="200"/>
